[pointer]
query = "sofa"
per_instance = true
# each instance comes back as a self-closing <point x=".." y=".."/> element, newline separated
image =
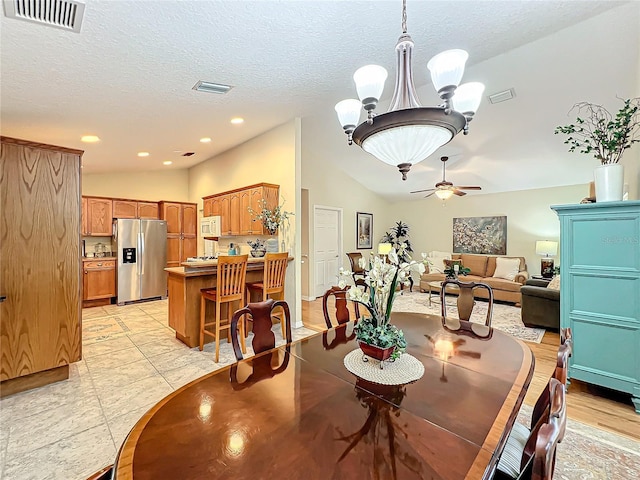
<point x="482" y="269"/>
<point x="540" y="305"/>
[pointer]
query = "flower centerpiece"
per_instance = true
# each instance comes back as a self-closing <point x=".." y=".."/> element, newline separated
<point x="271" y="218"/>
<point x="598" y="132"/>
<point x="257" y="248"/>
<point x="377" y="337"/>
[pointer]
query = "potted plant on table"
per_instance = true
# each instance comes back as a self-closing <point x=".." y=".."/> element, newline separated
<point x="598" y="132"/>
<point x="377" y="337"/>
<point x="257" y="248"/>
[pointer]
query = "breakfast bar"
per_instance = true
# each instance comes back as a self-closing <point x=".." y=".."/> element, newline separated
<point x="185" y="283"/>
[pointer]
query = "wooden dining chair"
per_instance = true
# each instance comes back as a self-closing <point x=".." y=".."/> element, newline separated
<point x="259" y="313"/>
<point x="533" y="457"/>
<point x="466" y="299"/>
<point x="341" y="305"/>
<point x="272" y="284"/>
<point x="230" y="287"/>
<point x="357" y="272"/>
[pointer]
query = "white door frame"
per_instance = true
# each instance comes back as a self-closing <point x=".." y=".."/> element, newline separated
<point x="312" y="263"/>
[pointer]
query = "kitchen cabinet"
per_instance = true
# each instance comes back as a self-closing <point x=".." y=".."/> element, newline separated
<point x="135" y="209"/>
<point x="600" y="292"/>
<point x="99" y="217"/>
<point x="233" y="208"/>
<point x="40" y="327"/>
<point x="181" y="231"/>
<point x="99" y="279"/>
<point x="83" y="218"/>
<point x="148" y="210"/>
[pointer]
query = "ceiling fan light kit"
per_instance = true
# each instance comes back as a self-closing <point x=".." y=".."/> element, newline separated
<point x="444" y="189"/>
<point x="408" y="132"/>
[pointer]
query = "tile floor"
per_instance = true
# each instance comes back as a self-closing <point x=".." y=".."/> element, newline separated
<point x="131" y="360"/>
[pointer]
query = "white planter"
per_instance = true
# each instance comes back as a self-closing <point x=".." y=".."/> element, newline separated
<point x="609" y="181"/>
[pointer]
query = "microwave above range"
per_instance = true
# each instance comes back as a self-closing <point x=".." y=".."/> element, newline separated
<point x="210" y="226"/>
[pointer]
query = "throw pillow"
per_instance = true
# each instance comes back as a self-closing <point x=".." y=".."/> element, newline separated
<point x="436" y="261"/>
<point x="554" y="284"/>
<point x="507" y="268"/>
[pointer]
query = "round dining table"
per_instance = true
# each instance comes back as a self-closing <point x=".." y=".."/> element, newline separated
<point x="296" y="412"/>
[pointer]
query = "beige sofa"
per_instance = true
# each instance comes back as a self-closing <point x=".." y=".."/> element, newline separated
<point x="482" y="270"/>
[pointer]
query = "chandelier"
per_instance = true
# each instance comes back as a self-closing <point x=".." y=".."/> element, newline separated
<point x="408" y="132"/>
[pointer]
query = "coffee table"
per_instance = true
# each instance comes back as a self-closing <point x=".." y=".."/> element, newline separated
<point x="436" y="286"/>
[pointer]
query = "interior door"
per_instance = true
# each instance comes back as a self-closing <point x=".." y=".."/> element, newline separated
<point x="327" y="234"/>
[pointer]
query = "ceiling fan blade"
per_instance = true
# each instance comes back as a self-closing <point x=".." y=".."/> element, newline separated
<point x="422" y="191"/>
<point x="469" y="188"/>
<point x="427" y="196"/>
<point x="458" y="192"/>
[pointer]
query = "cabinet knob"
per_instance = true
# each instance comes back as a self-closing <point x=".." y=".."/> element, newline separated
<point x="99" y="264"/>
<point x="85" y="272"/>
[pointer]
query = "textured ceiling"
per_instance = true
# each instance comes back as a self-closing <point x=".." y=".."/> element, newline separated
<point x="128" y="76"/>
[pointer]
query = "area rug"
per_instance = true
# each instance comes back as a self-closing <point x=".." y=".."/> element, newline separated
<point x="505" y="317"/>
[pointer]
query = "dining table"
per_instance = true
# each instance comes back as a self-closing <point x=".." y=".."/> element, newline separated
<point x="297" y="412"/>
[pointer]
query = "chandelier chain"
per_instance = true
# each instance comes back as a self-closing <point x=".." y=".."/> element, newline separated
<point x="404" y="16"/>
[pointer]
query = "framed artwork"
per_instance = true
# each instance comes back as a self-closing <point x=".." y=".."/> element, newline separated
<point x="364" y="230"/>
<point x="486" y="235"/>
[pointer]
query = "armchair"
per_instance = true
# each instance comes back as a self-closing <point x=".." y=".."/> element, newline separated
<point x="540" y="305"/>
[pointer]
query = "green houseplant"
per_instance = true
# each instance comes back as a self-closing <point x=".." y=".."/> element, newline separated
<point x="381" y="276"/>
<point x="596" y="131"/>
<point x="398" y="237"/>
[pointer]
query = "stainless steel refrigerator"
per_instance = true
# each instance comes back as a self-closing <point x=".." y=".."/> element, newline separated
<point x="142" y="258"/>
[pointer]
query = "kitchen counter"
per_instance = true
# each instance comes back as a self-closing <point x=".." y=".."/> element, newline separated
<point x="184" y="285"/>
<point x="93" y="259"/>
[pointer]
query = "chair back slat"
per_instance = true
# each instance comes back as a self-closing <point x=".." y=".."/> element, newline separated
<point x="275" y="268"/>
<point x="342" y="314"/>
<point x="231" y="275"/>
<point x="259" y="313"/>
<point x="466" y="300"/>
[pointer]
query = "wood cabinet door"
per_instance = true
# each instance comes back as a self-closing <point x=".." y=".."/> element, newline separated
<point x="215" y="206"/>
<point x="225" y="220"/>
<point x="99" y="217"/>
<point x="172" y="213"/>
<point x="246" y="225"/>
<point x="189" y="219"/>
<point x="148" y="210"/>
<point x="206" y="208"/>
<point x="83" y="218"/>
<point x="234" y="213"/>
<point x="256" y="206"/>
<point x="125" y="209"/>
<point x="189" y="247"/>
<point x="173" y="250"/>
<point x="99" y="283"/>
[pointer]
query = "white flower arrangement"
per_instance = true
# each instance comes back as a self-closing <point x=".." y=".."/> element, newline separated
<point x="271" y="219"/>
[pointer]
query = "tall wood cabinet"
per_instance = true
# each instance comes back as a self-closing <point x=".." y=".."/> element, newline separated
<point x="40" y="225"/>
<point x="600" y="292"/>
<point x="182" y="221"/>
<point x="233" y="208"/>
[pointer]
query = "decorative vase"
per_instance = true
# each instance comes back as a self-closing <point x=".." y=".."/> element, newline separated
<point x="609" y="179"/>
<point x="271" y="245"/>
<point x="375" y="352"/>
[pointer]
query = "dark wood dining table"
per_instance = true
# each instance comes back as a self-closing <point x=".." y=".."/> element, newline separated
<point x="296" y="412"/>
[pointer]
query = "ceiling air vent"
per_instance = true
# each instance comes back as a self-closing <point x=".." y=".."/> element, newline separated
<point x="65" y="14"/>
<point x="211" y="87"/>
<point x="502" y="96"/>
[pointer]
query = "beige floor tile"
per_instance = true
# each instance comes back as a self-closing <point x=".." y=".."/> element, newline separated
<point x="108" y="361"/>
<point x="119" y="377"/>
<point x="121" y="426"/>
<point x="107" y="346"/>
<point x="117" y="402"/>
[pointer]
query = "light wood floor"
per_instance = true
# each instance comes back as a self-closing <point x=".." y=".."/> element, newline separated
<point x="588" y="404"/>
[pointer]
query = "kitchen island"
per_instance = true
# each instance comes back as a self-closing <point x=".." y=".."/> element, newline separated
<point x="184" y="285"/>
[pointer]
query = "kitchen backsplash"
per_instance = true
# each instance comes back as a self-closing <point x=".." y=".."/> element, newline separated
<point x="90" y="245"/>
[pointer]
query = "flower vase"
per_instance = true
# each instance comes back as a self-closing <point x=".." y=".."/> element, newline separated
<point x="609" y="180"/>
<point x="271" y="245"/>
<point x="375" y="352"/>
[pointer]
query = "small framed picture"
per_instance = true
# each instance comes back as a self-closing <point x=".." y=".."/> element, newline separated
<point x="364" y="230"/>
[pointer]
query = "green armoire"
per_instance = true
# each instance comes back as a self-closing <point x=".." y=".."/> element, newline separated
<point x="600" y="292"/>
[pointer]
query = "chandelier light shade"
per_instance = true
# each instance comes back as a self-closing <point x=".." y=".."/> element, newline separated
<point x="408" y="132"/>
<point x="444" y="193"/>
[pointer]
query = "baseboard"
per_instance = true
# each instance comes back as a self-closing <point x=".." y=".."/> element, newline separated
<point x="34" y="380"/>
<point x="309" y="299"/>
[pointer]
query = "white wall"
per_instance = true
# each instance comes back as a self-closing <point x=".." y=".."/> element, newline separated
<point x="529" y="218"/>
<point x="170" y="184"/>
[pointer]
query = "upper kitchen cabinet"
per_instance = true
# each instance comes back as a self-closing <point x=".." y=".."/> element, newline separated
<point x="98" y="216"/>
<point x="135" y="209"/>
<point x="40" y="215"/>
<point x="233" y="208"/>
<point x="181" y="231"/>
<point x="148" y="210"/>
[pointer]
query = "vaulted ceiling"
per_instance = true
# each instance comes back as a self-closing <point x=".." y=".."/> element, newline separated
<point x="127" y="77"/>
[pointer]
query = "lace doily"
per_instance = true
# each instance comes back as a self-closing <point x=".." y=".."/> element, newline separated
<point x="405" y="369"/>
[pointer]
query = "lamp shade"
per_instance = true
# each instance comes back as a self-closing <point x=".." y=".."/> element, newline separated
<point x="370" y="81"/>
<point x="348" y="112"/>
<point x="546" y="247"/>
<point x="468" y="96"/>
<point x="447" y="68"/>
<point x="384" y="248"/>
<point x="444" y="193"/>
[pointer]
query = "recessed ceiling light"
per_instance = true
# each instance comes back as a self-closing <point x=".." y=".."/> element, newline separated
<point x="205" y="140"/>
<point x="168" y="162"/>
<point x="211" y="87"/>
<point x="90" y="138"/>
<point x="143" y="154"/>
<point x="237" y="120"/>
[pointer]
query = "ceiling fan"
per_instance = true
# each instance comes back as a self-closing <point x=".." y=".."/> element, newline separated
<point x="445" y="189"/>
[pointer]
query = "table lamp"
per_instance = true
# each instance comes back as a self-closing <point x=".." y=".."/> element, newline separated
<point x="384" y="248"/>
<point x="546" y="248"/>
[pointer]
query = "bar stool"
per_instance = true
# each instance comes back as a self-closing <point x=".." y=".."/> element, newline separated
<point x="230" y="282"/>
<point x="275" y="267"/>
